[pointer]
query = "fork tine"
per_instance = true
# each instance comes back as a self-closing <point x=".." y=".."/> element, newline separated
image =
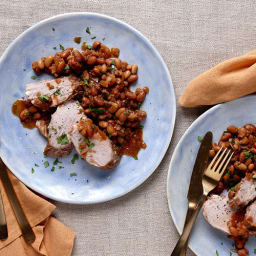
<point x="213" y="160"/>
<point x="225" y="166"/>
<point x="219" y="159"/>
<point x="223" y="162"/>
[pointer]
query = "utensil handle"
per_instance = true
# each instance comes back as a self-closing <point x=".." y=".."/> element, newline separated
<point x="27" y="231"/>
<point x="181" y="246"/>
<point x="3" y="224"/>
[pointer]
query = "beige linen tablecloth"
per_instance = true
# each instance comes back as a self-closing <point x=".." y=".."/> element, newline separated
<point x="192" y="36"/>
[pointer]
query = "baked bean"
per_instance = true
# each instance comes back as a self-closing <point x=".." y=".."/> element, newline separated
<point x="115" y="52"/>
<point x="226" y="136"/>
<point x="85" y="102"/>
<point x="119" y="112"/>
<point x="94" y="91"/>
<point x="141" y="96"/>
<point x="37" y="116"/>
<point x="41" y="63"/>
<point x="132" y="79"/>
<point x="91" y="60"/>
<point x="146" y="89"/>
<point x="232" y="129"/>
<point x="124" y="65"/>
<point x="32" y="109"/>
<point x="250" y="167"/>
<point x="242" y="167"/>
<point x="98" y="101"/>
<point x="244" y="141"/>
<point x="134" y="69"/>
<point x="48" y="61"/>
<point x="241" y="132"/>
<point x="24" y="114"/>
<point x="212" y="153"/>
<point x="113" y="108"/>
<point x="96" y="45"/>
<point x="127" y="73"/>
<point x="61" y="66"/>
<point x="104" y="68"/>
<point x="65" y="53"/>
<point x="118" y="63"/>
<point x="103" y="124"/>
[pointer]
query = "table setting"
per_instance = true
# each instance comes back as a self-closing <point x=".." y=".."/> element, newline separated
<point x="118" y="139"/>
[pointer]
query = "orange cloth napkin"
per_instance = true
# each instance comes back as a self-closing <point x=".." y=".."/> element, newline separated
<point x="227" y="81"/>
<point x="52" y="237"/>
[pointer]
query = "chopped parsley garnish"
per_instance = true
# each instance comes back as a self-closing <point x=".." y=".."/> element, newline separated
<point x="89" y="47"/>
<point x="233" y="142"/>
<point x="88" y="30"/>
<point x="57" y="92"/>
<point x="93" y="37"/>
<point x="72" y="174"/>
<point x="53" y="169"/>
<point x="90" y="147"/>
<point x="78" y="104"/>
<point x="75" y="157"/>
<point x="51" y="87"/>
<point x="46" y="164"/>
<point x="55" y="130"/>
<point x="233" y="189"/>
<point x="87" y="141"/>
<point x="54" y="48"/>
<point x="254" y="176"/>
<point x="228" y="174"/>
<point x="109" y="134"/>
<point x="217" y="253"/>
<point x="59" y="127"/>
<point x="139" y="104"/>
<point x="62" y="47"/>
<point x="61" y="167"/>
<point x="98" y="110"/>
<point x="230" y="254"/>
<point x="36" y="165"/>
<point x="44" y="98"/>
<point x="67" y="67"/>
<point x="53" y="29"/>
<point x="86" y="82"/>
<point x="254" y="251"/>
<point x="33" y="77"/>
<point x="248" y="155"/>
<point x="113" y="66"/>
<point x="63" y="139"/>
<point x="200" y="138"/>
<point x="141" y="126"/>
<point x="57" y="162"/>
<point x="103" y="38"/>
<point x="32" y="170"/>
<point x="135" y="157"/>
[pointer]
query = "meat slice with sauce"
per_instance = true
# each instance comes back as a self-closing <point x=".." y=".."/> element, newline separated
<point x="97" y="150"/>
<point x="244" y="194"/>
<point x="59" y="142"/>
<point x="42" y="127"/>
<point x="218" y="213"/>
<point x="51" y="93"/>
<point x="250" y="216"/>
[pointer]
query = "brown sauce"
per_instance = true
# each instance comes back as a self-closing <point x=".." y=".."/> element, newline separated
<point x="134" y="145"/>
<point x="237" y="217"/>
<point x="17" y="107"/>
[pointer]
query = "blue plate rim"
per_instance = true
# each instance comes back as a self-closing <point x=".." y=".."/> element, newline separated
<point x="176" y="150"/>
<point x="144" y="38"/>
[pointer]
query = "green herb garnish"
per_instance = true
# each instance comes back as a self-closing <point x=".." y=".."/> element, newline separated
<point x="90" y="147"/>
<point x="62" y="47"/>
<point x="63" y="139"/>
<point x="233" y="142"/>
<point x="57" y="93"/>
<point x="109" y="134"/>
<point x="233" y="189"/>
<point x="89" y="47"/>
<point x="67" y="67"/>
<point x="217" y="253"/>
<point x="103" y="38"/>
<point x="61" y="167"/>
<point x="98" y="110"/>
<point x="44" y="98"/>
<point x="248" y="155"/>
<point x="53" y="29"/>
<point x="36" y="165"/>
<point x="75" y="157"/>
<point x="57" y="162"/>
<point x="72" y="174"/>
<point x="200" y="138"/>
<point x="254" y="251"/>
<point x="135" y="157"/>
<point x="93" y="37"/>
<point x="46" y="164"/>
<point x="32" y="170"/>
<point x="54" y="48"/>
<point x="86" y="82"/>
<point x="88" y="30"/>
<point x="33" y="77"/>
<point x="53" y="169"/>
<point x="51" y="87"/>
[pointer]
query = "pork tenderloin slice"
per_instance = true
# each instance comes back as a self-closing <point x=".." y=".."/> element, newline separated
<point x="58" y="90"/>
<point x="42" y="127"/>
<point x="103" y="154"/>
<point x="217" y="212"/>
<point x="59" y="142"/>
<point x="250" y="215"/>
<point x="245" y="193"/>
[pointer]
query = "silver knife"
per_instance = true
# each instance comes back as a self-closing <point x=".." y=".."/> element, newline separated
<point x="195" y="194"/>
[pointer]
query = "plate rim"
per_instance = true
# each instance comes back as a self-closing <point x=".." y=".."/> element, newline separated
<point x="171" y="86"/>
<point x="174" y="155"/>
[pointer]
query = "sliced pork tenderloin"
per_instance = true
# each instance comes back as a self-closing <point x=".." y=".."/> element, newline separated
<point x="244" y="194"/>
<point x="59" y="142"/>
<point x="42" y="127"/>
<point x="218" y="213"/>
<point x="98" y="150"/>
<point x="51" y="93"/>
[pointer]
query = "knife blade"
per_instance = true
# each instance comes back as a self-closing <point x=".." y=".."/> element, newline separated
<point x="25" y="227"/>
<point x="196" y="187"/>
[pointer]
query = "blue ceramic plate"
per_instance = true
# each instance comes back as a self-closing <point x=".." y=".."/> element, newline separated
<point x="204" y="240"/>
<point x="21" y="148"/>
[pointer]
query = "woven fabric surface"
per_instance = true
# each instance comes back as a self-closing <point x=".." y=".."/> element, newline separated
<point x="192" y="36"/>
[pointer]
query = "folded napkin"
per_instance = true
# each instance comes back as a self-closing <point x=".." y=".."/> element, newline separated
<point x="227" y="81"/>
<point x="52" y="237"/>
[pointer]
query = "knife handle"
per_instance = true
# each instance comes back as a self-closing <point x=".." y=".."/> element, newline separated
<point x="26" y="229"/>
<point x="193" y="210"/>
<point x="3" y="224"/>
